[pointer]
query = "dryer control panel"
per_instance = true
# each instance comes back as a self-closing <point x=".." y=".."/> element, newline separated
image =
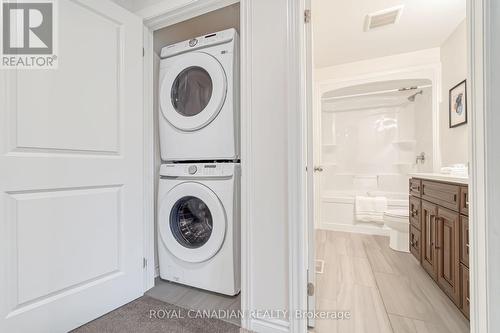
<point x="215" y="38"/>
<point x="201" y="170"/>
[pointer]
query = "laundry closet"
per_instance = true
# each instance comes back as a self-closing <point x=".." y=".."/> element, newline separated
<point x="197" y="163"/>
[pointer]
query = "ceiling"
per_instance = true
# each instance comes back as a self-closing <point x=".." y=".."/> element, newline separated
<point x="339" y="36"/>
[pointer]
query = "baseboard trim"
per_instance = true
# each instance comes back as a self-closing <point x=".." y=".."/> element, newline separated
<point x="269" y="326"/>
<point x="359" y="229"/>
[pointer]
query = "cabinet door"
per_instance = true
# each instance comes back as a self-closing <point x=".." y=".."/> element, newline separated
<point x="447" y="246"/>
<point x="429" y="230"/>
<point x="465" y="308"/>
<point x="464" y="200"/>
<point x="464" y="240"/>
<point x="415" y="247"/>
<point x="415" y="212"/>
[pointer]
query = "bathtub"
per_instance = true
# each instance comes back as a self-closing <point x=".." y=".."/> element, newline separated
<point x="337" y="211"/>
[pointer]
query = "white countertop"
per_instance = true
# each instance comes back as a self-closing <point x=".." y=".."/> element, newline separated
<point x="441" y="177"/>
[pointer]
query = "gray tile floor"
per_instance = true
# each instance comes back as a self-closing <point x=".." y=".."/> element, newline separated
<point x="385" y="290"/>
<point x="192" y="298"/>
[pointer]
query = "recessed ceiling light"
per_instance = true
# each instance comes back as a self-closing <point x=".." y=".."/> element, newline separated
<point x="383" y="18"/>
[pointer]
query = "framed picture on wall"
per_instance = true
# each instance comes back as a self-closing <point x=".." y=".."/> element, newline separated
<point x="458" y="104"/>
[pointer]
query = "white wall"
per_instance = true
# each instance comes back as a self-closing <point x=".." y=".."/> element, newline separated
<point x="453" y="141"/>
<point x="220" y="19"/>
<point x="378" y="65"/>
<point x="127" y="4"/>
<point x="423" y="129"/>
<point x="268" y="158"/>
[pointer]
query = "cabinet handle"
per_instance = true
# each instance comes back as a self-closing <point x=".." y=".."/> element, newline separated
<point x="437" y="219"/>
<point x="454" y="197"/>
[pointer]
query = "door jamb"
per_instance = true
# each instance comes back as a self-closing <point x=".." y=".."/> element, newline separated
<point x="479" y="41"/>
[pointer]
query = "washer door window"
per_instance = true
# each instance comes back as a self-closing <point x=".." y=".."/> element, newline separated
<point x="192" y="222"/>
<point x="193" y="91"/>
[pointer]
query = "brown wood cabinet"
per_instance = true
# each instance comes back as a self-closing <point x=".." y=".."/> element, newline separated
<point x="464" y="240"/>
<point x="415" y="245"/>
<point x="439" y="235"/>
<point x="415" y="212"/>
<point x="447" y="250"/>
<point x="464" y="200"/>
<point x="445" y="195"/>
<point x="415" y="186"/>
<point x="465" y="296"/>
<point x="429" y="230"/>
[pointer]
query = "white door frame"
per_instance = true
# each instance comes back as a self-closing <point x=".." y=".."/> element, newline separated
<point x="484" y="184"/>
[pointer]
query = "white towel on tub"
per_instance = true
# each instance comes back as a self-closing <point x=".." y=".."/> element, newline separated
<point x="370" y="209"/>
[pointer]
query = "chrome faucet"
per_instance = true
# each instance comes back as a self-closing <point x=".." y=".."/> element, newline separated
<point x="420" y="158"/>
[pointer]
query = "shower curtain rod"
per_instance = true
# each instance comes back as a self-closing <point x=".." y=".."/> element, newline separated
<point x="377" y="92"/>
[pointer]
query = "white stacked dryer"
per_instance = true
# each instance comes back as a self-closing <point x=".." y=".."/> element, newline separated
<point x="199" y="99"/>
<point x="199" y="193"/>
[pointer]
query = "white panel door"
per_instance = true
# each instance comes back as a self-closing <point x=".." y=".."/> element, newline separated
<point x="71" y="187"/>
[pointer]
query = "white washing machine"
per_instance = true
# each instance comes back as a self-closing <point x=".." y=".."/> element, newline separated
<point x="199" y="98"/>
<point x="199" y="225"/>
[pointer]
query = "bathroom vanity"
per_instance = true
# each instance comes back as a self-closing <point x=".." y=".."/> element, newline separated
<point x="439" y="232"/>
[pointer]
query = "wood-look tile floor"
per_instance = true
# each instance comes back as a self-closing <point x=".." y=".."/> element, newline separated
<point x="384" y="290"/>
<point x="196" y="299"/>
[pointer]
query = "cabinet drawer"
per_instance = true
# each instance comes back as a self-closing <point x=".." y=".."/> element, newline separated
<point x="415" y="187"/>
<point x="465" y="292"/>
<point x="415" y="245"/>
<point x="445" y="195"/>
<point x="415" y="212"/>
<point x="464" y="240"/>
<point x="464" y="200"/>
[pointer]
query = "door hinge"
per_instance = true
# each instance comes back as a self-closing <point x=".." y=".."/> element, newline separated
<point x="307" y="16"/>
<point x="310" y="289"/>
<point x="143" y="52"/>
<point x="144" y="263"/>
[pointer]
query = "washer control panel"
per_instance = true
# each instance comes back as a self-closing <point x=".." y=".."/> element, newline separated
<point x="195" y="170"/>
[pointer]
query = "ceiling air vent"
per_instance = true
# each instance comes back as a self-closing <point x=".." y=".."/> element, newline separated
<point x="383" y="18"/>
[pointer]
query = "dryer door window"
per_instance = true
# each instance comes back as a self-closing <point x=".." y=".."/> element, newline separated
<point x="191" y="91"/>
<point x="191" y="222"/>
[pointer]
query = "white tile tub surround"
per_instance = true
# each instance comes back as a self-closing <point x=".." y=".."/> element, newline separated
<point x="338" y="211"/>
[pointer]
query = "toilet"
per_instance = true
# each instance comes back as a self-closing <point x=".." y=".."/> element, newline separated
<point x="397" y="220"/>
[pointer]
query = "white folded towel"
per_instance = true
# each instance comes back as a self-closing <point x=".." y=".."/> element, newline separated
<point x="370" y="209"/>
